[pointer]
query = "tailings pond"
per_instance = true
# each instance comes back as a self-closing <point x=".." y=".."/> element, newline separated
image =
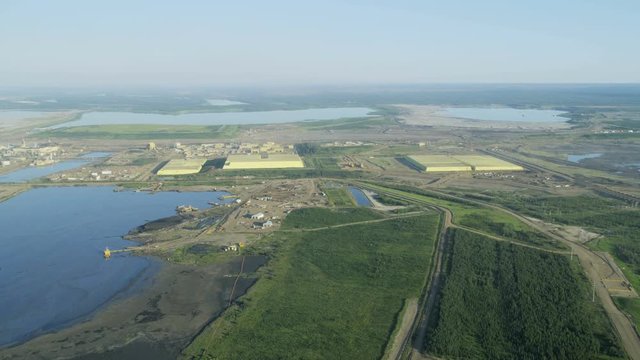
<point x="52" y="272"/>
<point x="221" y="118"/>
<point x="504" y="114"/>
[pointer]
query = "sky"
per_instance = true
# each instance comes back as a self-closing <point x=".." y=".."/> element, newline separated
<point x="278" y="42"/>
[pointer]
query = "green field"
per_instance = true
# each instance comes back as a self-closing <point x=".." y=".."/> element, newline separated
<point x="338" y="196"/>
<point x="329" y="294"/>
<point x="502" y="301"/>
<point x="143" y="132"/>
<point x="488" y="220"/>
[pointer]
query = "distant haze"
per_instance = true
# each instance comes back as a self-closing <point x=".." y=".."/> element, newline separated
<point x="218" y="43"/>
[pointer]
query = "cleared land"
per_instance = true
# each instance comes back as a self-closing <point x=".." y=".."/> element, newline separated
<point x="334" y="293"/>
<point x="501" y="301"/>
<point x="270" y="161"/>
<point x="182" y="167"/>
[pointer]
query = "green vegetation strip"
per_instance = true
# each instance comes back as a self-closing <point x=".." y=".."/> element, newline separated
<point x="135" y="132"/>
<point x="501" y="301"/>
<point x="331" y="294"/>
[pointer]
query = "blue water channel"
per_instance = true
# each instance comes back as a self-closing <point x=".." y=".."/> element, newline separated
<point x="35" y="172"/>
<point x="52" y="272"/>
<point x="221" y="118"/>
<point x="361" y="198"/>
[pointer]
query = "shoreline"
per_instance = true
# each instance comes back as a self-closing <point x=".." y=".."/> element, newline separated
<point x="179" y="301"/>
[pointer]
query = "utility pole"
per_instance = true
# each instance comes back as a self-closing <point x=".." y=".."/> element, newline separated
<point x="572" y="254"/>
<point x="593" y="295"/>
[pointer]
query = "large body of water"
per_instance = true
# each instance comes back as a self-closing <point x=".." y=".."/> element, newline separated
<point x="223" y="118"/>
<point x="35" y="172"/>
<point x="52" y="272"/>
<point x="504" y="114"/>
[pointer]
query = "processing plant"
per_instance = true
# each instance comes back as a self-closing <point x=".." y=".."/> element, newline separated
<point x="182" y="167"/>
<point x="263" y="161"/>
<point x="444" y="163"/>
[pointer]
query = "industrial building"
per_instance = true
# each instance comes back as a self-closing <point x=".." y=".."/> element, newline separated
<point x="443" y="163"/>
<point x="263" y="161"/>
<point x="437" y="163"/>
<point x="487" y="163"/>
<point x="182" y="167"/>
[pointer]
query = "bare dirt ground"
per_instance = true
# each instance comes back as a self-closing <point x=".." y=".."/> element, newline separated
<point x="426" y="115"/>
<point x="158" y="321"/>
<point x="404" y="330"/>
<point x="275" y="200"/>
<point x="15" y="128"/>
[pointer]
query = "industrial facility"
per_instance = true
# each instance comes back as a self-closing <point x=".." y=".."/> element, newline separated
<point x="182" y="167"/>
<point x="263" y="161"/>
<point x="444" y="163"/>
<point x="487" y="163"/>
<point x="437" y="163"/>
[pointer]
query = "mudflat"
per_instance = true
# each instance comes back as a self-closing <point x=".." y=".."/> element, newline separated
<point x="160" y="320"/>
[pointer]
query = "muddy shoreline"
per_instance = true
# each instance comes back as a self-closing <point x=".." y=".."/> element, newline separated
<point x="158" y="322"/>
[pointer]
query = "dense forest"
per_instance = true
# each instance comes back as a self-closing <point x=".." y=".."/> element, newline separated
<point x="502" y="301"/>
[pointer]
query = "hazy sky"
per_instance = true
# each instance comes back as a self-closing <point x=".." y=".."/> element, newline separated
<point x="142" y="42"/>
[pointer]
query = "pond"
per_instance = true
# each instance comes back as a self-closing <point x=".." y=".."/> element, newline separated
<point x="576" y="158"/>
<point x="222" y="118"/>
<point x="360" y="197"/>
<point x="52" y="272"/>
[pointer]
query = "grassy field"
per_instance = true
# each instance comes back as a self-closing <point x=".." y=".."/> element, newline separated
<point x="348" y="124"/>
<point x="317" y="217"/>
<point x="142" y="132"/>
<point x="501" y="301"/>
<point x="485" y="219"/>
<point x="330" y="294"/>
<point x="323" y="163"/>
<point x="338" y="196"/>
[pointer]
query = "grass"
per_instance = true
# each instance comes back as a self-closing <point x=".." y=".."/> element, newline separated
<point x="331" y="294"/>
<point x="200" y="254"/>
<point x="318" y="217"/>
<point x="323" y="163"/>
<point x="348" y="124"/>
<point x="143" y="132"/>
<point x="338" y="196"/>
<point x="631" y="307"/>
<point x="485" y="219"/>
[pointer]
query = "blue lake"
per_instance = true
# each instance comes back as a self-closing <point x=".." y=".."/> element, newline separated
<point x="361" y="198"/>
<point x="52" y="272"/>
<point x="34" y="172"/>
<point x="504" y="114"/>
<point x="576" y="158"/>
<point x="223" y="118"/>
